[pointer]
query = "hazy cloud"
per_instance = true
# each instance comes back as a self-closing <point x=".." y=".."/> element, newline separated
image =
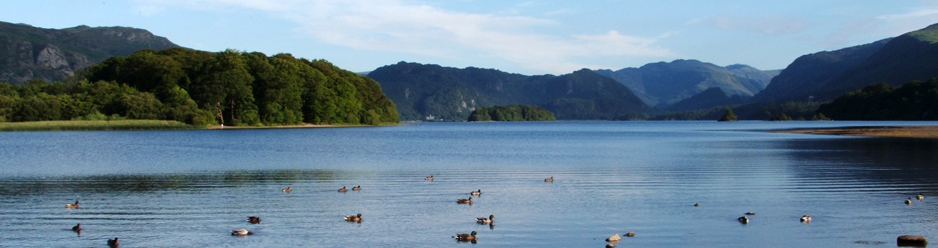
<point x="394" y="26"/>
<point x="773" y="25"/>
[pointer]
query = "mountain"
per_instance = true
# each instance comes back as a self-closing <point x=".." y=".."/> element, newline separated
<point x="28" y="52"/>
<point x="826" y="75"/>
<point x="711" y="97"/>
<point x="433" y="92"/>
<point x="809" y="74"/>
<point x="663" y="84"/>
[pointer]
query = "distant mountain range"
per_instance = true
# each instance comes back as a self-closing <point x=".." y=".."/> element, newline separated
<point x="664" y="84"/>
<point x="433" y="92"/>
<point x="28" y="52"/>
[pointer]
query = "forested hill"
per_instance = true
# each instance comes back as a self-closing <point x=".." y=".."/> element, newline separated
<point x="912" y="101"/>
<point x="197" y="87"/>
<point x="433" y="92"/>
<point x="28" y="52"/>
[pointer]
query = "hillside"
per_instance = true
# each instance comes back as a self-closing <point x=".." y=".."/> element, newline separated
<point x="28" y="52"/>
<point x="433" y="92"/>
<point x="809" y="74"/>
<point x="663" y="84"/>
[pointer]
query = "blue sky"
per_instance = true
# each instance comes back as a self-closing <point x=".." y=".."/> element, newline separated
<point x="527" y="37"/>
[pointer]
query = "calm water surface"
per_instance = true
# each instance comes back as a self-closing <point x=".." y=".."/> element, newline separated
<point x="191" y="188"/>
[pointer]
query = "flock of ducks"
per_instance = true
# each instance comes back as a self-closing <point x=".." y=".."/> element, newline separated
<point x="465" y="237"/>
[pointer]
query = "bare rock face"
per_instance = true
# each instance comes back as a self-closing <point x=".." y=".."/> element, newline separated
<point x="28" y="52"/>
<point x="53" y="58"/>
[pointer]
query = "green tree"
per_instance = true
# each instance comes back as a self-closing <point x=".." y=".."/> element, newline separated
<point x="728" y="116"/>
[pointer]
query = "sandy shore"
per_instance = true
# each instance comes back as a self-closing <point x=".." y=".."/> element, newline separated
<point x="925" y="132"/>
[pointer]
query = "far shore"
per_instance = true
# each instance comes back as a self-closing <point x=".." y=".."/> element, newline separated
<point x="923" y="132"/>
<point x="287" y="126"/>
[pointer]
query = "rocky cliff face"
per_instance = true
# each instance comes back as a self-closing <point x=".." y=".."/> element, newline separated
<point x="28" y="52"/>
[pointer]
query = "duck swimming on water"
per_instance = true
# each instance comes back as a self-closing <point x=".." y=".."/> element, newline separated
<point x="483" y="220"/>
<point x="72" y="205"/>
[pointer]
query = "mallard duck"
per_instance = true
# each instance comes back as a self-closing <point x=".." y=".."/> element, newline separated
<point x="477" y="192"/>
<point x="630" y="234"/>
<point x="343" y="189"/>
<point x="743" y="219"/>
<point x="287" y="189"/>
<point x="241" y="232"/>
<point x="465" y="237"/>
<point x="77" y="228"/>
<point x="908" y="201"/>
<point x="465" y="201"/>
<point x="254" y="219"/>
<point x="113" y="242"/>
<point x="354" y="218"/>
<point x="806" y="218"/>
<point x="750" y="213"/>
<point x="920" y="197"/>
<point x="610" y="245"/>
<point x="357" y="188"/>
<point x="614" y="238"/>
<point x="549" y="179"/>
<point x="696" y="204"/>
<point x="429" y="178"/>
<point x="483" y="220"/>
<point x="72" y="205"/>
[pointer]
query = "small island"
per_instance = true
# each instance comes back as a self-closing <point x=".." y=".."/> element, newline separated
<point x="512" y="113"/>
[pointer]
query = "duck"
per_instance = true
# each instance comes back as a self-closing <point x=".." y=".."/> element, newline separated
<point x="477" y="192"/>
<point x="920" y="197"/>
<point x="743" y="219"/>
<point x="908" y="201"/>
<point x="465" y="236"/>
<point x="241" y="232"/>
<point x="72" y="205"/>
<point x="354" y="218"/>
<point x="630" y="234"/>
<point x="113" y="242"/>
<point x="343" y="189"/>
<point x="696" y="204"/>
<point x="254" y="219"/>
<point x="429" y="178"/>
<point x="614" y="238"/>
<point x="77" y="228"/>
<point x="465" y="201"/>
<point x="549" y="179"/>
<point x="483" y="220"/>
<point x="357" y="188"/>
<point x="806" y="218"/>
<point x="750" y="213"/>
<point x="287" y="189"/>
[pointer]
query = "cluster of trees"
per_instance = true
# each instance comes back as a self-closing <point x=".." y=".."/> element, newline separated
<point x="912" y="101"/>
<point x="197" y="87"/>
<point x="512" y="113"/>
<point x="38" y="100"/>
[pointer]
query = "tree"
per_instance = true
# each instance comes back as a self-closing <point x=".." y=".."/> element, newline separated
<point x="728" y="116"/>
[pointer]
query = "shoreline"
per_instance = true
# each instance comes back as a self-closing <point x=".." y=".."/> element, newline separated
<point x="919" y="132"/>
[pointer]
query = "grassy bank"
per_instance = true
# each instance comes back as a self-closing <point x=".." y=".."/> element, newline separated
<point x="95" y="125"/>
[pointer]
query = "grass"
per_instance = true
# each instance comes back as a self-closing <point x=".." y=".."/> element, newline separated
<point x="95" y="125"/>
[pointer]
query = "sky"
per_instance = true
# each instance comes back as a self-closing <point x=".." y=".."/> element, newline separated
<point x="526" y="36"/>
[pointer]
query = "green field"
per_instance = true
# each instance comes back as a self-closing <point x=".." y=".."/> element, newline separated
<point x="95" y="125"/>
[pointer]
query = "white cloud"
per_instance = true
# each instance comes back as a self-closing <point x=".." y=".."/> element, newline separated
<point x="394" y="26"/>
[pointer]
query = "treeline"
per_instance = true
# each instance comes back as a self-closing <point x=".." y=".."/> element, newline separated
<point x="512" y="113"/>
<point x="203" y="88"/>
<point x="912" y="101"/>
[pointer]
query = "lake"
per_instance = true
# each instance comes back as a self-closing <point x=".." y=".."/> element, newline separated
<point x="191" y="188"/>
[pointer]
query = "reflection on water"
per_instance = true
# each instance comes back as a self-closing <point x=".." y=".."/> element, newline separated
<point x="610" y="177"/>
